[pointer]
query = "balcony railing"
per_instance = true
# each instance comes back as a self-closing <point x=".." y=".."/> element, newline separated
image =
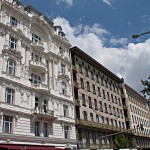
<point x="38" y="66"/>
<point x="97" y="125"/>
<point x="63" y="75"/>
<point x="41" y="113"/>
<point x="41" y="87"/>
<point x="38" y="46"/>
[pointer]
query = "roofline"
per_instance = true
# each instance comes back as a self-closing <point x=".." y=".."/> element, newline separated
<point x="78" y="51"/>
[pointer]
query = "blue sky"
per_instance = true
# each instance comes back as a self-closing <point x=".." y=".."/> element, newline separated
<point x="103" y="29"/>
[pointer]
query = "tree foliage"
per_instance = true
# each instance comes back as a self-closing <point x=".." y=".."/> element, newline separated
<point x="122" y="142"/>
<point x="146" y="84"/>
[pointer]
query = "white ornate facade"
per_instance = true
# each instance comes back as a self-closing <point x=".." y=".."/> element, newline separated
<point x="36" y="102"/>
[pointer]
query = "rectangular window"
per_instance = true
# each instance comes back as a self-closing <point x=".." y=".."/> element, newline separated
<point x="112" y="98"/>
<point x="82" y="83"/>
<point x="85" y="115"/>
<point x="86" y="72"/>
<point x="114" y="111"/>
<point x="116" y="123"/>
<point x="35" y="79"/>
<point x="7" y="124"/>
<point x="112" y="122"/>
<point x="95" y="104"/>
<point x="45" y="129"/>
<point x="66" y="110"/>
<point x="90" y="102"/>
<point x="106" y="111"/>
<point x="45" y="104"/>
<point x="9" y="95"/>
<point x="97" y="118"/>
<point x="110" y="111"/>
<point x="99" y="92"/>
<point x="13" y="21"/>
<point x="107" y="120"/>
<point x="37" y="128"/>
<point x="63" y="69"/>
<point x="11" y="67"/>
<point x="36" y="102"/>
<point x="92" y="75"/>
<point x="91" y="117"/>
<point x="104" y="94"/>
<point x="102" y="117"/>
<point x="83" y="100"/>
<point x="97" y="80"/>
<point x="101" y="106"/>
<point x="108" y="96"/>
<point x="66" y="132"/>
<point x="35" y="38"/>
<point x="94" y="91"/>
<point x="12" y="43"/>
<point x="88" y="86"/>
<point x="80" y="68"/>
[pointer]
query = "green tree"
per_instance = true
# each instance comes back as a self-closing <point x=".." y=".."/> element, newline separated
<point x="122" y="142"/>
<point x="146" y="90"/>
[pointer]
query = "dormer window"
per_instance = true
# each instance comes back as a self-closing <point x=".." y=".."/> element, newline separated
<point x="35" y="38"/>
<point x="13" y="21"/>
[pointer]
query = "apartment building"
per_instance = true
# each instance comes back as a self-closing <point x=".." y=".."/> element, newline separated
<point x="136" y="113"/>
<point x="36" y="102"/>
<point x="98" y="102"/>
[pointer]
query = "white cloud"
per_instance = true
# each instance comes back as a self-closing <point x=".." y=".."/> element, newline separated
<point x="69" y="2"/>
<point x="121" y="41"/>
<point x="108" y="2"/>
<point x="131" y="62"/>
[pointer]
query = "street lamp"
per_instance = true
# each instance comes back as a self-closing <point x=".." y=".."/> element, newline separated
<point x="137" y="35"/>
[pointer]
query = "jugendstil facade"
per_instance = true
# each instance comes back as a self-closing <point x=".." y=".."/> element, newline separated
<point x="36" y="102"/>
<point x="136" y="114"/>
<point x="98" y="103"/>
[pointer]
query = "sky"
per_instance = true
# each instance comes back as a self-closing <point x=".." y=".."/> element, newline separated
<point x="103" y="29"/>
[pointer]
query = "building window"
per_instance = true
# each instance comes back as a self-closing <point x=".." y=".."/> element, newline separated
<point x="45" y="129"/>
<point x="91" y="117"/>
<point x="37" y="128"/>
<point x="86" y="72"/>
<point x="9" y="95"/>
<point x="66" y="110"/>
<point x="36" y="102"/>
<point x="82" y="83"/>
<point x="116" y="123"/>
<point x="35" y="79"/>
<point x="94" y="91"/>
<point x="83" y="100"/>
<point x="94" y="138"/>
<point x="80" y="68"/>
<point x="112" y="122"/>
<point x="63" y="69"/>
<point x="85" y="115"/>
<point x="12" y="43"/>
<point x="13" y="21"/>
<point x="95" y="104"/>
<point x="114" y="111"/>
<point x="45" y="105"/>
<point x="102" y="117"/>
<point x="112" y="98"/>
<point x="35" y="38"/>
<point x="92" y="75"/>
<point x="7" y="124"/>
<point x="101" y="106"/>
<point x="106" y="84"/>
<point x="97" y="118"/>
<point x="107" y="120"/>
<point x="97" y="80"/>
<point x="88" y="86"/>
<point x="108" y="96"/>
<point x="99" y="92"/>
<point x="110" y="110"/>
<point x="66" y="132"/>
<point x="61" y="51"/>
<point x="104" y="94"/>
<point x="63" y="88"/>
<point x="106" y="111"/>
<point x="90" y="102"/>
<point x="11" y="66"/>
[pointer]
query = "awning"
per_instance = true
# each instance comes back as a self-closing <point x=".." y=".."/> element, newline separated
<point x="26" y="147"/>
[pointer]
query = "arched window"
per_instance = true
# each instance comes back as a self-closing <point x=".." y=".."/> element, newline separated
<point x="11" y="65"/>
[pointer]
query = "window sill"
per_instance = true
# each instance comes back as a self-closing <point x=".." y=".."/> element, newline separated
<point x="10" y="75"/>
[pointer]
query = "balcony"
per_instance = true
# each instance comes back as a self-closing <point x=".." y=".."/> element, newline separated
<point x="39" y="46"/>
<point x="63" y="75"/>
<point x="40" y="113"/>
<point x="97" y="125"/>
<point x="38" y="66"/>
<point x="41" y="88"/>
